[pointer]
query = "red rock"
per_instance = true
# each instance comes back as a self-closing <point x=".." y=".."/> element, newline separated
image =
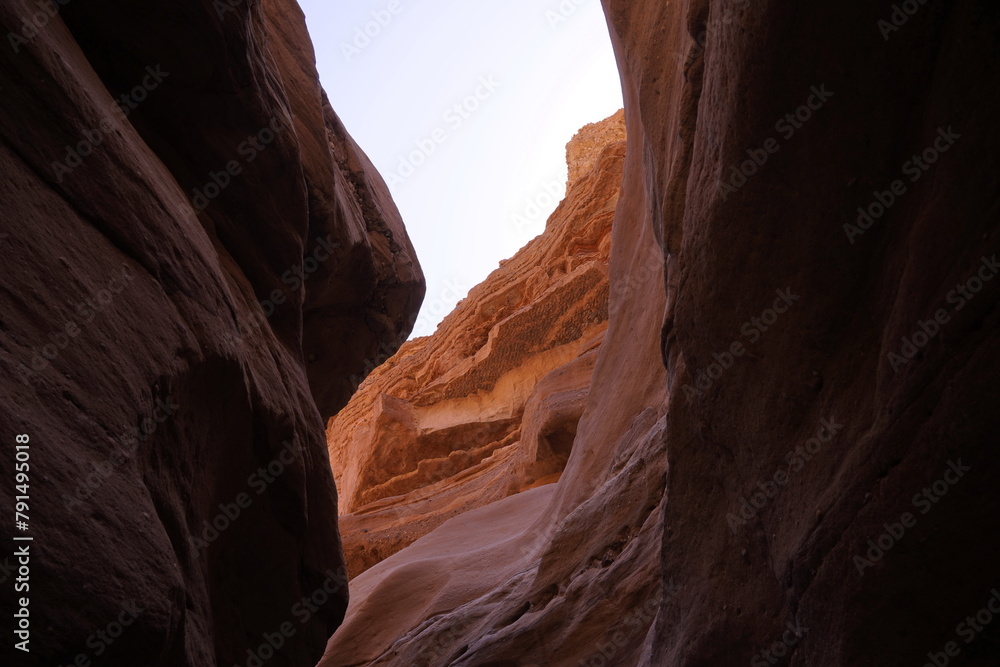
<point x="162" y="400"/>
<point x="632" y="557"/>
<point x="488" y="405"/>
<point x="827" y="358"/>
<point x="494" y="579"/>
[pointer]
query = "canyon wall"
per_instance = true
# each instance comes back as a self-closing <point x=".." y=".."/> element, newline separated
<point x="197" y="259"/>
<point x="513" y="580"/>
<point x="784" y="457"/>
<point x="824" y="179"/>
<point x="488" y="405"/>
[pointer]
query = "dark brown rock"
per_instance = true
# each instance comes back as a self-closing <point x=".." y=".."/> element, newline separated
<point x="216" y="326"/>
<point x="827" y="358"/>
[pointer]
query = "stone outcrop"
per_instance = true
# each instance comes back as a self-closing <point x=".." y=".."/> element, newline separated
<point x="488" y="405"/>
<point x="197" y="259"/>
<point x="786" y="451"/>
<point x="587" y="144"/>
<point x="512" y="580"/>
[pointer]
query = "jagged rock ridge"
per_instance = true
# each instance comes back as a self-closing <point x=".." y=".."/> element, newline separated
<point x="488" y="405"/>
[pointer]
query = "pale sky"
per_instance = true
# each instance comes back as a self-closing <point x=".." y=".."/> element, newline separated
<point x="525" y="74"/>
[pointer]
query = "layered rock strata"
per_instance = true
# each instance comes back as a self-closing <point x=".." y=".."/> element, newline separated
<point x="488" y="405"/>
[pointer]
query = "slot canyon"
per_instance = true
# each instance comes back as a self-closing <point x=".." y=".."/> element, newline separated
<point x="732" y="406"/>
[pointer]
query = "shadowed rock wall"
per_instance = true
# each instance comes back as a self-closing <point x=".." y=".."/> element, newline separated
<point x="867" y="375"/>
<point x="197" y="258"/>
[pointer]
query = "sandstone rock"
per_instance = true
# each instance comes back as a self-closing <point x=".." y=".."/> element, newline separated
<point x="517" y="588"/>
<point x="634" y="556"/>
<point x="167" y="282"/>
<point x="488" y="405"/>
<point x="863" y="103"/>
<point x="589" y="142"/>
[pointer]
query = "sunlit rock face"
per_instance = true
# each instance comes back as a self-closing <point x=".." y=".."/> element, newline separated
<point x="515" y="581"/>
<point x="488" y="405"/>
<point x="816" y="487"/>
<point x="197" y="259"/>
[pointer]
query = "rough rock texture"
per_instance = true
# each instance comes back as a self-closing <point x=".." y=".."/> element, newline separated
<point x="513" y="582"/>
<point x="824" y="490"/>
<point x="582" y="152"/>
<point x="488" y="405"/>
<point x="169" y="291"/>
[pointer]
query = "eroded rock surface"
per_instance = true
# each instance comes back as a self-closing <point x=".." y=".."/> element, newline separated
<point x="515" y="581"/>
<point x="826" y="370"/>
<point x="488" y="405"/>
<point x="187" y="292"/>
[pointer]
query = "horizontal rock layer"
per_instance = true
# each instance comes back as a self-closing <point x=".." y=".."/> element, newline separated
<point x="509" y="580"/>
<point x="488" y="405"/>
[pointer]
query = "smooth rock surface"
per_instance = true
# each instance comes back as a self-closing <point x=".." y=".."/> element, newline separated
<point x="864" y="102"/>
<point x="187" y="292"/>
